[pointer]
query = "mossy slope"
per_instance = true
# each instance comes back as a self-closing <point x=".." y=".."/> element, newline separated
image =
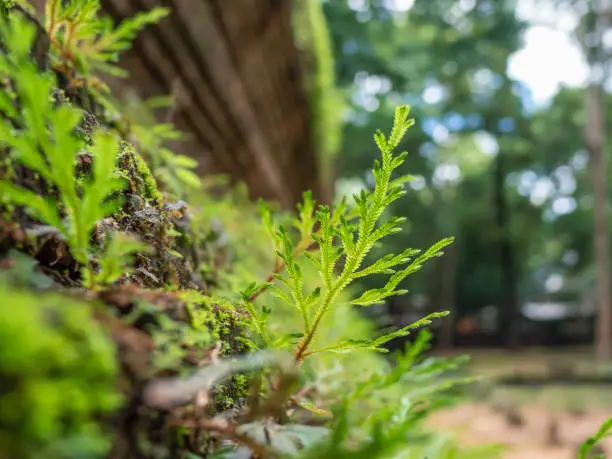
<point x="74" y="362"/>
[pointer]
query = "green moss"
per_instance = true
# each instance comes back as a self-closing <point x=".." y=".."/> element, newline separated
<point x="6" y="6"/>
<point x="231" y="394"/>
<point x="175" y="341"/>
<point x="58" y="381"/>
<point x="57" y="377"/>
<point x="313" y="37"/>
<point x="226" y="327"/>
<point x="221" y="322"/>
<point x="138" y="173"/>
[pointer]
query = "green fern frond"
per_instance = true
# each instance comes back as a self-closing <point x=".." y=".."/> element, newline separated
<point x="41" y="136"/>
<point x="343" y="238"/>
<point x="83" y="42"/>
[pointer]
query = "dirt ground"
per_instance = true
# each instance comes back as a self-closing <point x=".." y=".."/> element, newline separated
<point x="546" y="423"/>
<point x="481" y="423"/>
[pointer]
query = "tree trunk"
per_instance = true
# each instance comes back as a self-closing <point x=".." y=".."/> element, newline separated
<point x="595" y="143"/>
<point x="447" y="295"/>
<point x="595" y="140"/>
<point x="508" y="303"/>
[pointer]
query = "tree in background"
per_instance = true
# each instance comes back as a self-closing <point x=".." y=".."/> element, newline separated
<point x="596" y="23"/>
<point x="449" y="59"/>
<point x="486" y="156"/>
<point x="593" y="22"/>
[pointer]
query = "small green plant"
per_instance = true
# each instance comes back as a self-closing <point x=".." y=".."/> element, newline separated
<point x="41" y="136"/>
<point x="173" y="171"/>
<point x="83" y="42"/>
<point x="116" y="260"/>
<point x="604" y="431"/>
<point x="343" y="238"/>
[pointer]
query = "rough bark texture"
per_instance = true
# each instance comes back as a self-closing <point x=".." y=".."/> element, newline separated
<point x="238" y="73"/>
<point x="238" y="77"/>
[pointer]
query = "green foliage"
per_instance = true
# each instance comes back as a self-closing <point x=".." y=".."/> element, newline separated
<point x="6" y="6"/>
<point x="377" y="406"/>
<point x="379" y="416"/>
<point x="312" y="34"/>
<point x="397" y="54"/>
<point x="353" y="381"/>
<point x="604" y="431"/>
<point x="174" y="171"/>
<point x="345" y="236"/>
<point x="41" y="136"/>
<point x="116" y="259"/>
<point x="380" y="413"/>
<point x="57" y="373"/>
<point x="84" y="42"/>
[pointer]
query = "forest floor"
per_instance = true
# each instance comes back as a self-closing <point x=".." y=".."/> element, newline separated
<point x="532" y="423"/>
<point x="477" y="423"/>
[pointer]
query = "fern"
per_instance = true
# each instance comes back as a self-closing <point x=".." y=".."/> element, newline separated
<point x="343" y="238"/>
<point x="174" y="171"/>
<point x="45" y="142"/>
<point x="83" y="42"/>
<point x="116" y="259"/>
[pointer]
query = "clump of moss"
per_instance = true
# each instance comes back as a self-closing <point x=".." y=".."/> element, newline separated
<point x="6" y="6"/>
<point x="232" y="394"/>
<point x="139" y="175"/>
<point x="57" y="377"/>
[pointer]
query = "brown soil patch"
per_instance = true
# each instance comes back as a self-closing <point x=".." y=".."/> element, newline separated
<point x="479" y="423"/>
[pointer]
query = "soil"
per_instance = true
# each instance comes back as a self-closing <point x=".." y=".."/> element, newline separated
<point x="480" y="423"/>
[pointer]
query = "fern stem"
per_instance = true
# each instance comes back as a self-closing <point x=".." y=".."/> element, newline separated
<point x="363" y="245"/>
<point x="279" y="268"/>
<point x="302" y="347"/>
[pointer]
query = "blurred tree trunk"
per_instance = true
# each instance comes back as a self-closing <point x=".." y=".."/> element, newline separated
<point x="445" y="271"/>
<point x="596" y="24"/>
<point x="594" y="139"/>
<point x="508" y="302"/>
<point x="241" y="90"/>
<point x="448" y="271"/>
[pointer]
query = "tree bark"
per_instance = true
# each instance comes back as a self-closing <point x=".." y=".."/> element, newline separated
<point x="508" y="302"/>
<point x="595" y="141"/>
<point x="595" y="144"/>
<point x="447" y="295"/>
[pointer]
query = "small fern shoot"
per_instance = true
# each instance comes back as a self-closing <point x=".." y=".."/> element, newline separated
<point x="41" y="136"/>
<point x="343" y="238"/>
<point x="83" y="42"/>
